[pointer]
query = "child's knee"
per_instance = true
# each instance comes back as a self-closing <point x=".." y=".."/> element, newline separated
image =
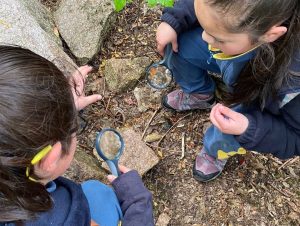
<point x="95" y="187"/>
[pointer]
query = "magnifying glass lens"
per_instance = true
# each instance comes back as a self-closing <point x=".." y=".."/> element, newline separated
<point x="110" y="144"/>
<point x="159" y="76"/>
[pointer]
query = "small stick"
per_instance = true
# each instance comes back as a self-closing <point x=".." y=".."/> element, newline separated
<point x="172" y="127"/>
<point x="275" y="160"/>
<point x="290" y="161"/>
<point x="253" y="186"/>
<point x="182" y="145"/>
<point x="148" y="124"/>
<point x="104" y="86"/>
<point x="84" y="146"/>
<point x="277" y="189"/>
<point x="108" y="102"/>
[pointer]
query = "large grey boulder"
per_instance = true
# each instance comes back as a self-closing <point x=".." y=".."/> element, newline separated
<point x="27" y="23"/>
<point x="84" y="25"/>
<point x="123" y="74"/>
<point x="43" y="17"/>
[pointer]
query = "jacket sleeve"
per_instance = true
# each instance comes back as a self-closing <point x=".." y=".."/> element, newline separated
<point x="181" y="17"/>
<point x="276" y="134"/>
<point x="135" y="200"/>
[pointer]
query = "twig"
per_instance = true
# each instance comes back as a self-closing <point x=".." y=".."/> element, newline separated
<point x="253" y="186"/>
<point x="182" y="145"/>
<point x="104" y="86"/>
<point x="277" y="189"/>
<point x="148" y="124"/>
<point x="108" y="102"/>
<point x="275" y="160"/>
<point x="290" y="161"/>
<point x="84" y="146"/>
<point x="172" y="127"/>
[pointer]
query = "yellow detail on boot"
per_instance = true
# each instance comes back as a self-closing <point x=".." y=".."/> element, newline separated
<point x="225" y="155"/>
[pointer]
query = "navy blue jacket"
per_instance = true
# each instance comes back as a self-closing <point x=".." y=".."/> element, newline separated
<point x="71" y="206"/>
<point x="276" y="128"/>
<point x="135" y="200"/>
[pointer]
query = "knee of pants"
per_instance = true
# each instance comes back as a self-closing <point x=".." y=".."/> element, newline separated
<point x="217" y="143"/>
<point x="103" y="203"/>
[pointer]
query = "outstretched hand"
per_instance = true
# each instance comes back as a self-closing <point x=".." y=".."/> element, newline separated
<point x="77" y="81"/>
<point x="228" y="121"/>
<point x="122" y="168"/>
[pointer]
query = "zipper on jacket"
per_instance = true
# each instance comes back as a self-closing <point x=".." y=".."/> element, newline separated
<point x="210" y="57"/>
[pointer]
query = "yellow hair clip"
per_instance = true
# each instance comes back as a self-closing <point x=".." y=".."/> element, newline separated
<point x="41" y="154"/>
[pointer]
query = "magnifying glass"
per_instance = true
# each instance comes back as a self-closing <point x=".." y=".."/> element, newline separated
<point x="110" y="145"/>
<point x="158" y="75"/>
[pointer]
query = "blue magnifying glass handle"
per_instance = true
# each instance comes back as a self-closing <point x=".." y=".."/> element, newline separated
<point x="167" y="56"/>
<point x="113" y="166"/>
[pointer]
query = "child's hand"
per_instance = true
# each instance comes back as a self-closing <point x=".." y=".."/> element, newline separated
<point x="228" y="121"/>
<point x="77" y="82"/>
<point x="122" y="168"/>
<point x="164" y="35"/>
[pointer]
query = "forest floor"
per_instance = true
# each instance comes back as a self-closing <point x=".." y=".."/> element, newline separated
<point x="254" y="190"/>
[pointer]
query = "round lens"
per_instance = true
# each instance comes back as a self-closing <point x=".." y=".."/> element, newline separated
<point x="159" y="76"/>
<point x="110" y="144"/>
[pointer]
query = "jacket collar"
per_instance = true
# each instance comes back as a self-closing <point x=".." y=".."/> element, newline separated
<point x="218" y="55"/>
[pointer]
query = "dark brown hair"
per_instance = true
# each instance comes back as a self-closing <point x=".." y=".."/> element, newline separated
<point x="36" y="109"/>
<point x="264" y="75"/>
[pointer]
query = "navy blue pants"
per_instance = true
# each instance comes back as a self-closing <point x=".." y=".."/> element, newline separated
<point x="189" y="67"/>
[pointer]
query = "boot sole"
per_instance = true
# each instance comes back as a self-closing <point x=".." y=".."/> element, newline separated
<point x="202" y="179"/>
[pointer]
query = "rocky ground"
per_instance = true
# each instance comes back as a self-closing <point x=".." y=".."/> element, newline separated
<point x="255" y="190"/>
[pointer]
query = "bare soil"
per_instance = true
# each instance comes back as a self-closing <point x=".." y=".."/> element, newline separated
<point x="254" y="190"/>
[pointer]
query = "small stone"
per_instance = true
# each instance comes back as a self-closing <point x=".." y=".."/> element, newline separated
<point x="147" y="98"/>
<point x="285" y="184"/>
<point x="163" y="220"/>
<point x="153" y="137"/>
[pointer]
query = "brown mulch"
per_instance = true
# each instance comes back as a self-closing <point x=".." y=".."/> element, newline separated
<point x="254" y="190"/>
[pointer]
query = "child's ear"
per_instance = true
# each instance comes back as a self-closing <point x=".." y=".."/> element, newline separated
<point x="49" y="162"/>
<point x="273" y="34"/>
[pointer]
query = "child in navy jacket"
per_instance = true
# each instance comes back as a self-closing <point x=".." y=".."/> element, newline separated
<point x="255" y="47"/>
<point x="38" y="127"/>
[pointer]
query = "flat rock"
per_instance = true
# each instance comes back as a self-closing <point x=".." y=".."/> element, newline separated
<point x="137" y="155"/>
<point x="84" y="24"/>
<point x="123" y="74"/>
<point x="85" y="167"/>
<point x="27" y="23"/>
